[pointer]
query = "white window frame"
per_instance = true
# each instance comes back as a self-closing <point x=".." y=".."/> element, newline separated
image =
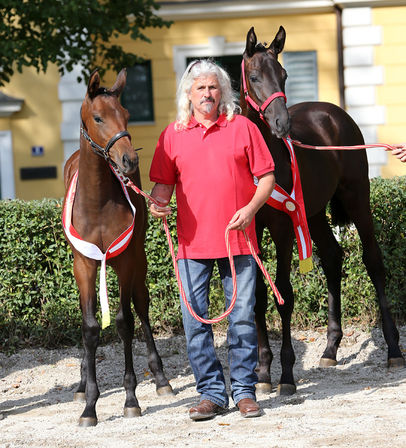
<point x="216" y="46"/>
<point x="6" y="166"/>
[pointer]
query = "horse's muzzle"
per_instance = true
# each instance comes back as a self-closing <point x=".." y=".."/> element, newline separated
<point x="128" y="164"/>
<point x="281" y="128"/>
<point x="279" y="121"/>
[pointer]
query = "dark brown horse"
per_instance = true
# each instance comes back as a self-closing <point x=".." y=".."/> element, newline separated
<point x="101" y="213"/>
<point x="338" y="177"/>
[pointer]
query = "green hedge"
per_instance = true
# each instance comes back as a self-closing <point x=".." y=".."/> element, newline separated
<point x="39" y="300"/>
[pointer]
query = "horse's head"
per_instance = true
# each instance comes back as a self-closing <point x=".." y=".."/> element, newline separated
<point x="104" y="123"/>
<point x="265" y="80"/>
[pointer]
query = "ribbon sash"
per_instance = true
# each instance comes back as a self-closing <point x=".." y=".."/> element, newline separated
<point x="293" y="205"/>
<point x="90" y="250"/>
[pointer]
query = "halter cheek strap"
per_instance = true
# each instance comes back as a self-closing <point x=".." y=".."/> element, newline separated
<point x="260" y="109"/>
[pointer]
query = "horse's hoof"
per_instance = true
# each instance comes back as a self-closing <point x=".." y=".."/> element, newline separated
<point x="79" y="396"/>
<point x="286" y="389"/>
<point x="327" y="362"/>
<point x="86" y="422"/>
<point x="263" y="388"/>
<point x="396" y="363"/>
<point x="165" y="390"/>
<point x="132" y="412"/>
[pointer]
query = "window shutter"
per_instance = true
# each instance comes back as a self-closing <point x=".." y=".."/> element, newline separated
<point x="302" y="82"/>
<point x="137" y="95"/>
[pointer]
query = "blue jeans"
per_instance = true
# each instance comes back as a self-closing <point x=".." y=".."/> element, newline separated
<point x="241" y="334"/>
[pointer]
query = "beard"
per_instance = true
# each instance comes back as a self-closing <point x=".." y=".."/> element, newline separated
<point x="208" y="107"/>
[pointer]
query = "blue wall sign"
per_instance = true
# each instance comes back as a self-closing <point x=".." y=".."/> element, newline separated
<point x="37" y="150"/>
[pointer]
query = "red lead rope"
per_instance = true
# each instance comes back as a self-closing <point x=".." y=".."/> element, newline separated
<point x="355" y="147"/>
<point x="128" y="182"/>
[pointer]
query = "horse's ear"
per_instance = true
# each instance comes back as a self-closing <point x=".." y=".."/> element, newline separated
<point x="251" y="42"/>
<point x="120" y="83"/>
<point x="93" y="84"/>
<point x="279" y="42"/>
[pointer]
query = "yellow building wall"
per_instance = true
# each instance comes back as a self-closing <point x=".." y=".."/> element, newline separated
<point x="392" y="94"/>
<point x="304" y="33"/>
<point x="37" y="124"/>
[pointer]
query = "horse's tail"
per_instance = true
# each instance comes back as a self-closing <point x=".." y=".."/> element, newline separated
<point x="339" y="216"/>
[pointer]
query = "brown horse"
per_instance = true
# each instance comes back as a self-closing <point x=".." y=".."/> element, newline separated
<point x="338" y="177"/>
<point x="100" y="213"/>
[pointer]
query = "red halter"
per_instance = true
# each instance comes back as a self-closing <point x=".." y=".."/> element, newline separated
<point x="252" y="103"/>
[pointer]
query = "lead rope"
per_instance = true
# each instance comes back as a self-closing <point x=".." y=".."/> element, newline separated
<point x="355" y="147"/>
<point x="278" y="296"/>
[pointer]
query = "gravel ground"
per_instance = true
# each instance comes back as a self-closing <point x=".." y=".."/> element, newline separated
<point x="356" y="404"/>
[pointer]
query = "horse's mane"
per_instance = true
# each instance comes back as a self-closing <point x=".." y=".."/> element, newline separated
<point x="261" y="47"/>
<point x="103" y="91"/>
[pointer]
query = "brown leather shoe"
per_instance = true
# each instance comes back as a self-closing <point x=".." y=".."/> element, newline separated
<point x="205" y="410"/>
<point x="249" y="408"/>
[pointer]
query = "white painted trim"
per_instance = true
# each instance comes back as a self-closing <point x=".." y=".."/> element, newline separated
<point x="358" y="56"/>
<point x="360" y="96"/>
<point x="216" y="46"/>
<point x="9" y="108"/>
<point x="362" y="35"/>
<point x="368" y="3"/>
<point x="361" y="76"/>
<point x="219" y="9"/>
<point x="243" y="8"/>
<point x="6" y="166"/>
<point x="71" y="94"/>
<point x="368" y="116"/>
<point x="364" y="76"/>
<point x="356" y="17"/>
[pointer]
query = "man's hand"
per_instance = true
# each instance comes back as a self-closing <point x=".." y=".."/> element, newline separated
<point x="242" y="218"/>
<point x="162" y="194"/>
<point x="158" y="211"/>
<point x="400" y="152"/>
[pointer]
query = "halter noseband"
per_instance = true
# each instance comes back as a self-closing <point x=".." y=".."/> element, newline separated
<point x="260" y="109"/>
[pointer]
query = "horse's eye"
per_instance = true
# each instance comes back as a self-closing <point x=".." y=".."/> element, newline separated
<point x="253" y="78"/>
<point x="98" y="119"/>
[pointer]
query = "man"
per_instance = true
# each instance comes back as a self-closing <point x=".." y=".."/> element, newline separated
<point x="211" y="155"/>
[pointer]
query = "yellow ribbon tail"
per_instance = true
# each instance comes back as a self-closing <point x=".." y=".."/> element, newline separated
<point x="305" y="265"/>
<point x="105" y="319"/>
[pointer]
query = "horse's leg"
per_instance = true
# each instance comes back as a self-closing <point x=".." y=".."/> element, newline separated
<point x="85" y="274"/>
<point x="141" y="306"/>
<point x="330" y="254"/>
<point x="358" y="208"/>
<point x="80" y="393"/>
<point x="265" y="355"/>
<point x="282" y="234"/>
<point x="125" y="328"/>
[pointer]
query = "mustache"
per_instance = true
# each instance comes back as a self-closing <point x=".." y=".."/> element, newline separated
<point x="205" y="99"/>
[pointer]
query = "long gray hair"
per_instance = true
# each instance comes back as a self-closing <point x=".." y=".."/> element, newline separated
<point x="204" y="67"/>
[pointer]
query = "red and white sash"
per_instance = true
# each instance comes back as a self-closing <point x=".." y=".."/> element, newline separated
<point x="90" y="250"/>
<point x="293" y="205"/>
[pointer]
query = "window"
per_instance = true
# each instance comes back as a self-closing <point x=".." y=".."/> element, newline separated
<point x="137" y="95"/>
<point x="302" y="82"/>
<point x="230" y="63"/>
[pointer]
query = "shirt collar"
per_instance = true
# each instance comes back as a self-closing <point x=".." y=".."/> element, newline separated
<point x="221" y="121"/>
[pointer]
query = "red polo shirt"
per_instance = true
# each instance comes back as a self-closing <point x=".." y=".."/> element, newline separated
<point x="213" y="172"/>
